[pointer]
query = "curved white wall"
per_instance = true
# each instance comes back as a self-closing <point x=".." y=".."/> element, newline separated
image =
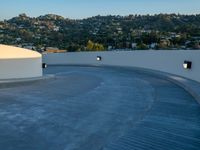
<point x="165" y="61"/>
<point x="17" y="63"/>
<point x="20" y="68"/>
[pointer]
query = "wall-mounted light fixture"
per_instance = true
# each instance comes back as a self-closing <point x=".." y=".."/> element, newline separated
<point x="44" y="65"/>
<point x="187" y="64"/>
<point x="99" y="58"/>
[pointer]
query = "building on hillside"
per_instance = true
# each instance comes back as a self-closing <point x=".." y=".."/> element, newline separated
<point x="54" y="50"/>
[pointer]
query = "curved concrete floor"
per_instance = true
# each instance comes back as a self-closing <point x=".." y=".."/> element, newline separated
<point x="91" y="108"/>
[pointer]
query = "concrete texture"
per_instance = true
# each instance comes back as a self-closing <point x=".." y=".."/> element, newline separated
<point x="95" y="108"/>
<point x="169" y="61"/>
<point x="24" y="81"/>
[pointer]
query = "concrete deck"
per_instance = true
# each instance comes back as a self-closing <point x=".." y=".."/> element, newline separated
<point x="94" y="108"/>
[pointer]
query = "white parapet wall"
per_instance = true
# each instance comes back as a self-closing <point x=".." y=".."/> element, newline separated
<point x="163" y="60"/>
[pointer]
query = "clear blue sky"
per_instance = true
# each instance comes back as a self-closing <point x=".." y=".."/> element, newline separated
<point x="87" y="8"/>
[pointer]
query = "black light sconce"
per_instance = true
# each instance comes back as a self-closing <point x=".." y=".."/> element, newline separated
<point x="99" y="58"/>
<point x="187" y="65"/>
<point x="44" y="65"/>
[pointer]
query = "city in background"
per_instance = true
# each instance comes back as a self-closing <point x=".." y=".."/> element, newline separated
<point x="53" y="33"/>
<point x="106" y="25"/>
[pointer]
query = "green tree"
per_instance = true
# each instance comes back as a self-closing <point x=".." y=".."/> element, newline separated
<point x="90" y="45"/>
<point x="94" y="46"/>
<point x="142" y="46"/>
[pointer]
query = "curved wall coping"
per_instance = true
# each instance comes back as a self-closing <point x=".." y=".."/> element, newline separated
<point x="190" y="86"/>
<point x="167" y="63"/>
<point x="11" y="82"/>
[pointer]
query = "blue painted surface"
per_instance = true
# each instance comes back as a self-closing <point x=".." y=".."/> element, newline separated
<point x="91" y="108"/>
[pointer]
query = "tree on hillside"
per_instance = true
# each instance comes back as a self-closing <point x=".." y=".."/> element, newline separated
<point x="94" y="46"/>
<point x="90" y="45"/>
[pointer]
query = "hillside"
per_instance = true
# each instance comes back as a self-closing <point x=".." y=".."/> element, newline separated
<point x="162" y="31"/>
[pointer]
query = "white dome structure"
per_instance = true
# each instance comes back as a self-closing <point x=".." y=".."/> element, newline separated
<point x="19" y="63"/>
